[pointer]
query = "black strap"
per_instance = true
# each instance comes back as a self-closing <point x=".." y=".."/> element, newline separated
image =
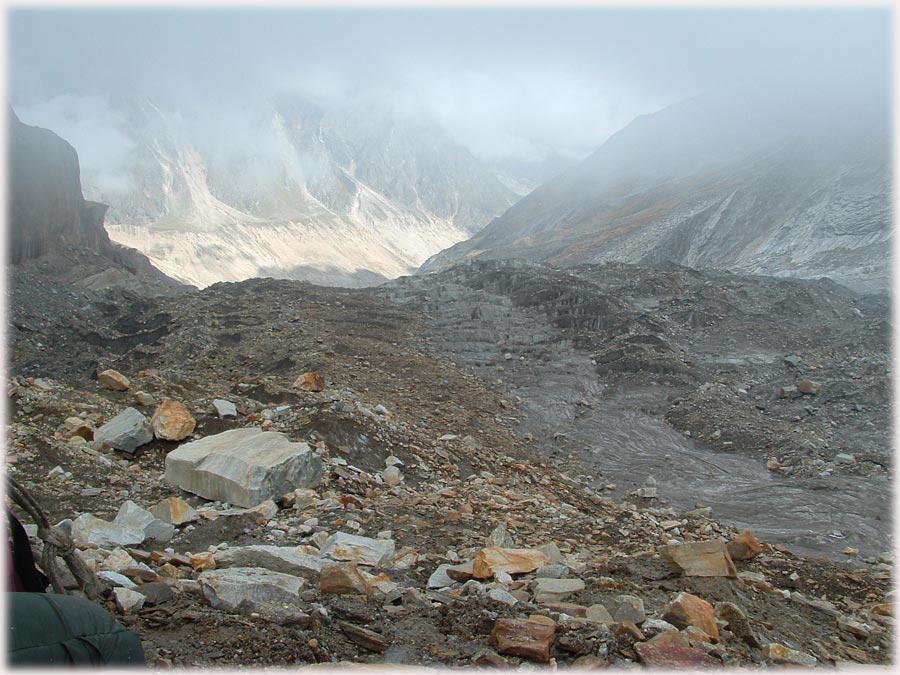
<point x="32" y="578"/>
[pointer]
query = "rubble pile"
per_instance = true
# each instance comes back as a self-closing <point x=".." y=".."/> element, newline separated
<point x="289" y="474"/>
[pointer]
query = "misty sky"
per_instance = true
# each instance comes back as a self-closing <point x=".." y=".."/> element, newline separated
<point x="505" y="83"/>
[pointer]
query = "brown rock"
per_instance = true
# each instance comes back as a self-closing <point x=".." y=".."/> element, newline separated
<point x="700" y="559"/>
<point x="630" y="629"/>
<point x="365" y="638"/>
<point x="113" y="379"/>
<point x="172" y="421"/>
<point x="689" y="610"/>
<point x="490" y="658"/>
<point x="343" y="579"/>
<point x="663" y="656"/>
<point x="744" y="546"/>
<point x="203" y="561"/>
<point x="886" y="609"/>
<point x="528" y="639"/>
<point x="671" y="638"/>
<point x="808" y="387"/>
<point x="174" y="510"/>
<point x="310" y="382"/>
<point x="778" y="653"/>
<point x="492" y="560"/>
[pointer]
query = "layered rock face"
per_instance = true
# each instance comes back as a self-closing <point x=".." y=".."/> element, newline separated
<point x="46" y="207"/>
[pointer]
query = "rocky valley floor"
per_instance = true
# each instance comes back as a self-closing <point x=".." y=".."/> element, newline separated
<point x="521" y="452"/>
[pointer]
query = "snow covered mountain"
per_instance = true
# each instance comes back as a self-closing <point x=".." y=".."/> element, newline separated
<point x="289" y="189"/>
<point x="717" y="183"/>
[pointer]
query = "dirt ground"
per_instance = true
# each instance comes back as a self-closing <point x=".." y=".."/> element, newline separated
<point x="249" y="342"/>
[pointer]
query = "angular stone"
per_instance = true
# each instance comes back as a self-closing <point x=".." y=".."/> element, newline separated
<point x="392" y="476"/>
<point x="500" y="538"/>
<point x="555" y="590"/>
<point x="491" y="561"/>
<point x="300" y="499"/>
<point x="462" y="572"/>
<point x="700" y="559"/>
<point x="113" y="379"/>
<point x="127" y="431"/>
<point x="361" y="550"/>
<point x="224" y="408"/>
<point x="744" y="546"/>
<point x="808" y="387"/>
<point x="118" y="560"/>
<point x="131" y="515"/>
<point x="439" y="578"/>
<point x="144" y="399"/>
<point x="203" y="561"/>
<point x="343" y="579"/>
<point x="249" y="589"/>
<point x="668" y="657"/>
<point x="789" y="391"/>
<point x="778" y="653"/>
<point x="127" y="600"/>
<point x="524" y="638"/>
<point x="552" y="572"/>
<point x="243" y="466"/>
<point x="88" y="530"/>
<point x="156" y="593"/>
<point x="503" y="596"/>
<point x="627" y="608"/>
<point x="175" y="511"/>
<point x="597" y="613"/>
<point x="115" y="579"/>
<point x="172" y="421"/>
<point x="310" y="382"/>
<point x="365" y="638"/>
<point x="689" y="610"/>
<point x="285" y="559"/>
<point x="568" y="608"/>
<point x="737" y="622"/>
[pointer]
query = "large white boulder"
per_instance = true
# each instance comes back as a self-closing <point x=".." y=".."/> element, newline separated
<point x="243" y="466"/>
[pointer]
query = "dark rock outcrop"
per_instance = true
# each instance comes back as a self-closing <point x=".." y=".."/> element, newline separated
<point x="46" y="207"/>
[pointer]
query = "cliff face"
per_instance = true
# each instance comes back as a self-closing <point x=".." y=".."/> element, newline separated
<point x="46" y="206"/>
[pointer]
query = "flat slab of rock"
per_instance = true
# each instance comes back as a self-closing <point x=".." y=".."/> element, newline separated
<point x="224" y="408"/>
<point x="361" y="550"/>
<point x="131" y="515"/>
<point x="493" y="560"/>
<point x="555" y="590"/>
<point x="527" y="639"/>
<point x="243" y="466"/>
<point x="700" y="559"/>
<point x="778" y="653"/>
<point x="127" y="431"/>
<point x="284" y="559"/>
<point x="241" y="589"/>
<point x="88" y="529"/>
<point x="664" y="656"/>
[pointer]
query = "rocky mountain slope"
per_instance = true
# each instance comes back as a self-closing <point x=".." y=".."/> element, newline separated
<point x="716" y="185"/>
<point x="428" y="422"/>
<point x="347" y="197"/>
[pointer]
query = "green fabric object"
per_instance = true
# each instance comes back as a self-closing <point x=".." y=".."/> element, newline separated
<point x="62" y="630"/>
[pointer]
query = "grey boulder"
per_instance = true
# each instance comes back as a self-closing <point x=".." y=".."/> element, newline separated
<point x="243" y="466"/>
